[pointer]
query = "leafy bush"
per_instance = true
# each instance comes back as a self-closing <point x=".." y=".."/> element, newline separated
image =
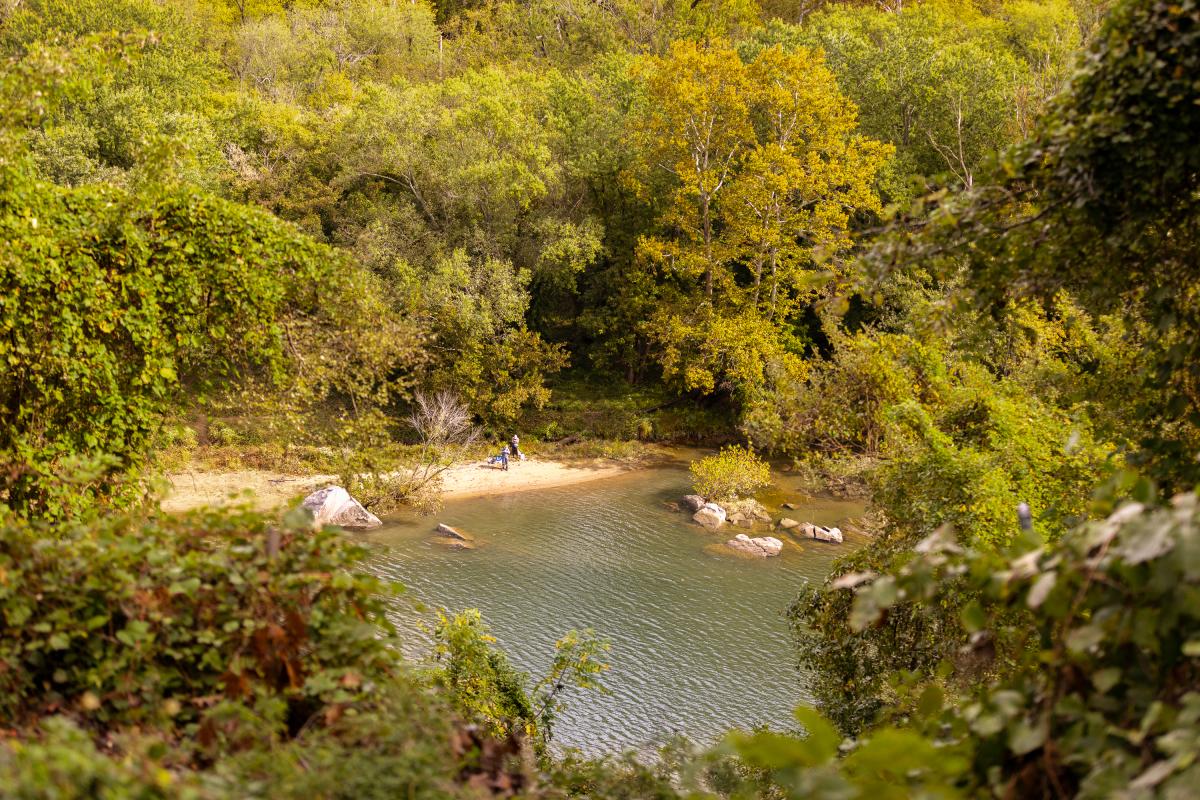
<point x="732" y="473"/>
<point x="1090" y="648"/>
<point x="842" y="407"/>
<point x="408" y="744"/>
<point x="64" y="764"/>
<point x="186" y="625"/>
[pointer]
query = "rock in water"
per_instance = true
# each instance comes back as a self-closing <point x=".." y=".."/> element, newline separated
<point x="710" y="515"/>
<point x="791" y="506"/>
<point x="333" y="505"/>
<point x="786" y="524"/>
<point x="451" y="544"/>
<point x="769" y="544"/>
<point x="692" y="502"/>
<point x="820" y="534"/>
<point x="761" y="546"/>
<point x="749" y="508"/>
<point x="452" y="533"/>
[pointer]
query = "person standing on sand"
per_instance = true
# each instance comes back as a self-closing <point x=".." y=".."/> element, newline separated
<point x="514" y="450"/>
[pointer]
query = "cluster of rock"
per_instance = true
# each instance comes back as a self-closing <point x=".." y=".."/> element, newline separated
<point x="746" y="514"/>
<point x="333" y="505"/>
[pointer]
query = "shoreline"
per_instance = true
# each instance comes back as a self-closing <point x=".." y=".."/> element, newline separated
<point x="268" y="491"/>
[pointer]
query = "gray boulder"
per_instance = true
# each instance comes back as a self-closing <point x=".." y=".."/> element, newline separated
<point x="333" y="505"/>
<point x="786" y="524"/>
<point x="811" y="531"/>
<point x="760" y="546"/>
<point x="710" y="515"/>
<point x="692" y="503"/>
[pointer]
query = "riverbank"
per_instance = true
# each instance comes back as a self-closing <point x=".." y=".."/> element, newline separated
<point x="267" y="490"/>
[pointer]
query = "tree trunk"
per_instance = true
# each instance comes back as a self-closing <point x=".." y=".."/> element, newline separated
<point x="706" y="202"/>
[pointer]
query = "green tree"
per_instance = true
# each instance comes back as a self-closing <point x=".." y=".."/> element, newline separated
<point x="116" y="303"/>
<point x="1094" y="189"/>
<point x="483" y="352"/>
<point x="945" y="82"/>
<point x="766" y="176"/>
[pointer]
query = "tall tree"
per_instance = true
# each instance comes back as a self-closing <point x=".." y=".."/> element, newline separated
<point x="763" y="172"/>
<point x="696" y="129"/>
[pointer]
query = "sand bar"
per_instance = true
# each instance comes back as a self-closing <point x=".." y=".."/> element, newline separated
<point x="267" y="490"/>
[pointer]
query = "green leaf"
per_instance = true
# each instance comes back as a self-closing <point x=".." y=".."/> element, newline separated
<point x="1105" y="679"/>
<point x="973" y="617"/>
<point x="1082" y="639"/>
<point x="775" y="751"/>
<point x="822" y="736"/>
<point x="931" y="700"/>
<point x="1024" y="737"/>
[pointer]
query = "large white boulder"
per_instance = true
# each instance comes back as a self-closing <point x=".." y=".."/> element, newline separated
<point x="761" y="546"/>
<point x="333" y="505"/>
<point x="710" y="515"/>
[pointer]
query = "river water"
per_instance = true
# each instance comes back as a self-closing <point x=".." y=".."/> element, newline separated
<point x="699" y="643"/>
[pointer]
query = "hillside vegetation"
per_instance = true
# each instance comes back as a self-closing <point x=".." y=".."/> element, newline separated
<point x="945" y="249"/>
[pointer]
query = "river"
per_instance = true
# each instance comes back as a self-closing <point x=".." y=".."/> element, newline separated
<point x="699" y="643"/>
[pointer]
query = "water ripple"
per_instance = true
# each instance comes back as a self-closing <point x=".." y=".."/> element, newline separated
<point x="698" y="641"/>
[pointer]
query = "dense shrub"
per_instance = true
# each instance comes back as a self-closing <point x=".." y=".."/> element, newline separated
<point x="186" y="625"/>
<point x="957" y="440"/>
<point x="483" y="686"/>
<point x="735" y="472"/>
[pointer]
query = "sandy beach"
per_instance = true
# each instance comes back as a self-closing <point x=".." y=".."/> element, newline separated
<point x="269" y="490"/>
<point x="476" y="479"/>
